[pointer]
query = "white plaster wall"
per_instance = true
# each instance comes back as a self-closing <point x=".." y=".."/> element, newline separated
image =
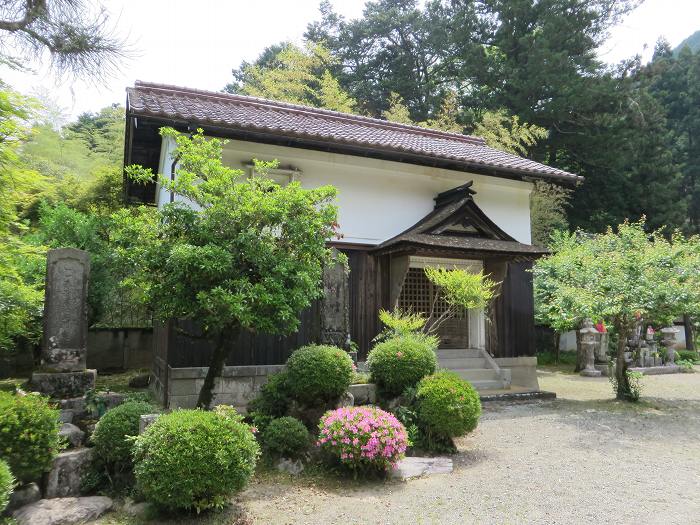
<point x="378" y="199"/>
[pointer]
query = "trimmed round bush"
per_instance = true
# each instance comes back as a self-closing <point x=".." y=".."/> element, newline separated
<point x="7" y="483"/>
<point x="286" y="437"/>
<point x="318" y="374"/>
<point x="29" y="439"/>
<point x="113" y="432"/>
<point x="363" y="438"/>
<point x="447" y="404"/>
<point x="192" y="459"/>
<point x="400" y="362"/>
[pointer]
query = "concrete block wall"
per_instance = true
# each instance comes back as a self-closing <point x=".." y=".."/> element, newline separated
<point x="523" y="371"/>
<point x="237" y="386"/>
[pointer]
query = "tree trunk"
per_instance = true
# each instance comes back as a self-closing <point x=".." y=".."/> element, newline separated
<point x="557" y="342"/>
<point x="689" y="339"/>
<point x="623" y="384"/>
<point x="216" y="366"/>
<point x="580" y="354"/>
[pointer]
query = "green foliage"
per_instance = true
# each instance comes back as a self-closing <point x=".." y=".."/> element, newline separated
<point x="688" y="355"/>
<point x="29" y="438"/>
<point x="618" y="276"/>
<point x="550" y="358"/>
<point x="274" y="396"/>
<point x="633" y="391"/>
<point x="318" y="374"/>
<point x="462" y="289"/>
<point x="7" y="484"/>
<point x="191" y="459"/>
<point x="686" y="365"/>
<point x="400" y="322"/>
<point x="401" y="361"/>
<point x="507" y="133"/>
<point x="300" y="76"/>
<point x="251" y="259"/>
<point x="548" y="205"/>
<point x="448" y="406"/>
<point x="286" y="437"/>
<point x="114" y="432"/>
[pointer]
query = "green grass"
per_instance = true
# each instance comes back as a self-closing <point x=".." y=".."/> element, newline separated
<point x="548" y="358"/>
<point x="118" y="382"/>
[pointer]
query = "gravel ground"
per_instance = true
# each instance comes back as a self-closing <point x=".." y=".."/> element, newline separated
<point x="582" y="458"/>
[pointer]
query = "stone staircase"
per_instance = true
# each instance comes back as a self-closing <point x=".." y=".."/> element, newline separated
<point x="476" y="366"/>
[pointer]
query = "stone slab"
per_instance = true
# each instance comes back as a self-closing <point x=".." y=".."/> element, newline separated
<point x="23" y="496"/>
<point x="364" y="394"/>
<point x="63" y="511"/>
<point x="72" y="434"/>
<point x="415" y="467"/>
<point x="63" y="480"/>
<point x="657" y="370"/>
<point x="289" y="466"/>
<point x="61" y="385"/>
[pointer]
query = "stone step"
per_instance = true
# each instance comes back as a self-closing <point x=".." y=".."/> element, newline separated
<point x="490" y="385"/>
<point x="452" y="353"/>
<point x="453" y="363"/>
<point x="478" y="374"/>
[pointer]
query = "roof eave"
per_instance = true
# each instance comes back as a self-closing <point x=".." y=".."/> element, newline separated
<point x="352" y="148"/>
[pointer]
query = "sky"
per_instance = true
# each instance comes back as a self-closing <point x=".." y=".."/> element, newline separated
<point x="196" y="44"/>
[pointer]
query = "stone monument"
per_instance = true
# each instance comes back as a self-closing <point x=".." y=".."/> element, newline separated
<point x="589" y="340"/>
<point x="668" y="341"/>
<point x="64" y="348"/>
<point x="335" y="306"/>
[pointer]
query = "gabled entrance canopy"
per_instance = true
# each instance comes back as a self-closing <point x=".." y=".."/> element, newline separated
<point x="458" y="226"/>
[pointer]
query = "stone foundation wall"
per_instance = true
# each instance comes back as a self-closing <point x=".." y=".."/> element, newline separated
<point x="523" y="371"/>
<point x="237" y="386"/>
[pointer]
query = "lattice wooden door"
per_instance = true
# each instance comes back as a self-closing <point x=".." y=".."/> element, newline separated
<point x="418" y="294"/>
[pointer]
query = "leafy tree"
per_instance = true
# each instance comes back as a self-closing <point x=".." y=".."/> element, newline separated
<point x="618" y="276"/>
<point x="548" y="206"/>
<point x="300" y="76"/>
<point x="21" y="265"/>
<point x="250" y="259"/>
<point x="460" y="290"/>
<point x="77" y="36"/>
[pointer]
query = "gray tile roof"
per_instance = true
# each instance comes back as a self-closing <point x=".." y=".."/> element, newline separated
<point x="237" y="112"/>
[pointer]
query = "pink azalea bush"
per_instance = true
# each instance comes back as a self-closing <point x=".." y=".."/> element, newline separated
<point x="363" y="437"/>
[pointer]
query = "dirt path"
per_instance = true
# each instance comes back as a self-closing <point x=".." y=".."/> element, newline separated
<point x="580" y="459"/>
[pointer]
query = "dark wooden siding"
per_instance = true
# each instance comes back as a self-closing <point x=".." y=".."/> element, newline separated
<point x="368" y="293"/>
<point x="513" y="313"/>
<point x="249" y="348"/>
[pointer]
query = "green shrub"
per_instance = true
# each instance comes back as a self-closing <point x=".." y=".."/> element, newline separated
<point x="400" y="362"/>
<point x="114" y="432"/>
<point x="7" y="483"/>
<point x="687" y="355"/>
<point x="550" y="358"/>
<point x="274" y="396"/>
<point x="194" y="459"/>
<point x="29" y="438"/>
<point x="286" y="437"/>
<point x="318" y="374"/>
<point x="447" y="404"/>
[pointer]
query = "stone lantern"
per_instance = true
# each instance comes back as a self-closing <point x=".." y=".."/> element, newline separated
<point x="668" y="340"/>
<point x="589" y="341"/>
